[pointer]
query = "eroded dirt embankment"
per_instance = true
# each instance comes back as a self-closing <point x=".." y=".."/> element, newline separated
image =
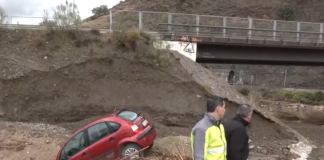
<point x="169" y="96"/>
<point x="93" y="88"/>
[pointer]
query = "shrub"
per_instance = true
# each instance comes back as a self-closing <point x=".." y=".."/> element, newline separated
<point x="3" y="15"/>
<point x="131" y="40"/>
<point x="286" y="13"/>
<point x="95" y="31"/>
<point x="100" y="10"/>
<point x="142" y="45"/>
<point x="244" y="91"/>
<point x="66" y="16"/>
<point x="255" y="97"/>
<point x="318" y="96"/>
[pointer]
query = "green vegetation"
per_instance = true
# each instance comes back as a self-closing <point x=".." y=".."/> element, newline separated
<point x="66" y="16"/>
<point x="294" y="96"/>
<point x="284" y="95"/>
<point x="102" y="9"/>
<point x="286" y="13"/>
<point x="244" y="91"/>
<point x="3" y="15"/>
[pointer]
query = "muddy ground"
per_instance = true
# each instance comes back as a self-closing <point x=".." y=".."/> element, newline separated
<point x="70" y="86"/>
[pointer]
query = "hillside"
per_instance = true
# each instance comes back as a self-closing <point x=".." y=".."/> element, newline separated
<point x="66" y="79"/>
<point x="297" y="10"/>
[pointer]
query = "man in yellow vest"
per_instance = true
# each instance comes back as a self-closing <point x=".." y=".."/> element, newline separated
<point x="208" y="140"/>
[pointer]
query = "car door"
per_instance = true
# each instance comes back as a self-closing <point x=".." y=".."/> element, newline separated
<point x="101" y="140"/>
<point x="76" y="148"/>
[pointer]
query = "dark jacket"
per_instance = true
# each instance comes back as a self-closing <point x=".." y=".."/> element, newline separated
<point x="237" y="139"/>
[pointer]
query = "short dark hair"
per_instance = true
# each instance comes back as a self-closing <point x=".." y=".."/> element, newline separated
<point x="213" y="102"/>
<point x="245" y="110"/>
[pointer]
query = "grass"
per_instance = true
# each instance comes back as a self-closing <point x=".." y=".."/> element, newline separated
<point x="313" y="98"/>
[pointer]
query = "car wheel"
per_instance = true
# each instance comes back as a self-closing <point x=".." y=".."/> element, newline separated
<point x="129" y="151"/>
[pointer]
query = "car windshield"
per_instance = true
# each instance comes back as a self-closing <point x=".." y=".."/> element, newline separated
<point x="127" y="115"/>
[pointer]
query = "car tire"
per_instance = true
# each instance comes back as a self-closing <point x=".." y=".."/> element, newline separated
<point x="150" y="147"/>
<point x="131" y="148"/>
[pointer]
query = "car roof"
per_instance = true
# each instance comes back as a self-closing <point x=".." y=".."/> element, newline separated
<point x="109" y="116"/>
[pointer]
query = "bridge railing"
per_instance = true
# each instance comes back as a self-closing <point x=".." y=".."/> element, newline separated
<point x="237" y="32"/>
<point x="229" y="26"/>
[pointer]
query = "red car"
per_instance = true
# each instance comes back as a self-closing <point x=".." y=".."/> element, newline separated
<point x="116" y="135"/>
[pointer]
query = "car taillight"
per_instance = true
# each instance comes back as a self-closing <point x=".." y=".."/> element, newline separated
<point x="134" y="128"/>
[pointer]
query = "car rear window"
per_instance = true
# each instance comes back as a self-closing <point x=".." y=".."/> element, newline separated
<point x="127" y="115"/>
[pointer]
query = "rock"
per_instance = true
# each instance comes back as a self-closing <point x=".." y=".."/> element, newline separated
<point x="264" y="151"/>
<point x="32" y="158"/>
<point x="252" y="146"/>
<point x="47" y="141"/>
<point x="2" y="113"/>
<point x="285" y="151"/>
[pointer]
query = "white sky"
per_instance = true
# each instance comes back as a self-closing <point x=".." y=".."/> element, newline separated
<point x="35" y="8"/>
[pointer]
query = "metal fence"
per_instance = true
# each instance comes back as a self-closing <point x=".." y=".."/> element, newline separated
<point x="225" y="26"/>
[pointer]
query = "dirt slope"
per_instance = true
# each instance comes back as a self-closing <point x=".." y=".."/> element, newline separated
<point x="74" y="85"/>
<point x="302" y="10"/>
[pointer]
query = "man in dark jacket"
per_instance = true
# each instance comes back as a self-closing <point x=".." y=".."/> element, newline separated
<point x="236" y="134"/>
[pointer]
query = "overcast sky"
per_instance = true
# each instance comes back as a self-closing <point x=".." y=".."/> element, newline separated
<point x="35" y="8"/>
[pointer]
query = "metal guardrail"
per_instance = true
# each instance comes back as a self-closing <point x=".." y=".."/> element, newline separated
<point x="198" y="24"/>
<point x="186" y="30"/>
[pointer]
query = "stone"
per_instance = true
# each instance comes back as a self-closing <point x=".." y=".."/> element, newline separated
<point x="285" y="151"/>
<point x="252" y="146"/>
<point x="264" y="151"/>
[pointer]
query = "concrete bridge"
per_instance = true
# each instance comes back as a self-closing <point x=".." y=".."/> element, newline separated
<point x="221" y="44"/>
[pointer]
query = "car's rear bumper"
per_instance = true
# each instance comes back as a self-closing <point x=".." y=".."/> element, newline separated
<point x="146" y="137"/>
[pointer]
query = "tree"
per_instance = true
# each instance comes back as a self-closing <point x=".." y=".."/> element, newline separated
<point x="100" y="10"/>
<point x="66" y="16"/>
<point x="3" y="15"/>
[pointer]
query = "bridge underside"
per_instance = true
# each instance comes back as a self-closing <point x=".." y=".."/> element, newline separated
<point x="239" y="54"/>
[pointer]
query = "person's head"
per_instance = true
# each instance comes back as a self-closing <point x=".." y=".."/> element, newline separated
<point x="245" y="111"/>
<point x="216" y="107"/>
